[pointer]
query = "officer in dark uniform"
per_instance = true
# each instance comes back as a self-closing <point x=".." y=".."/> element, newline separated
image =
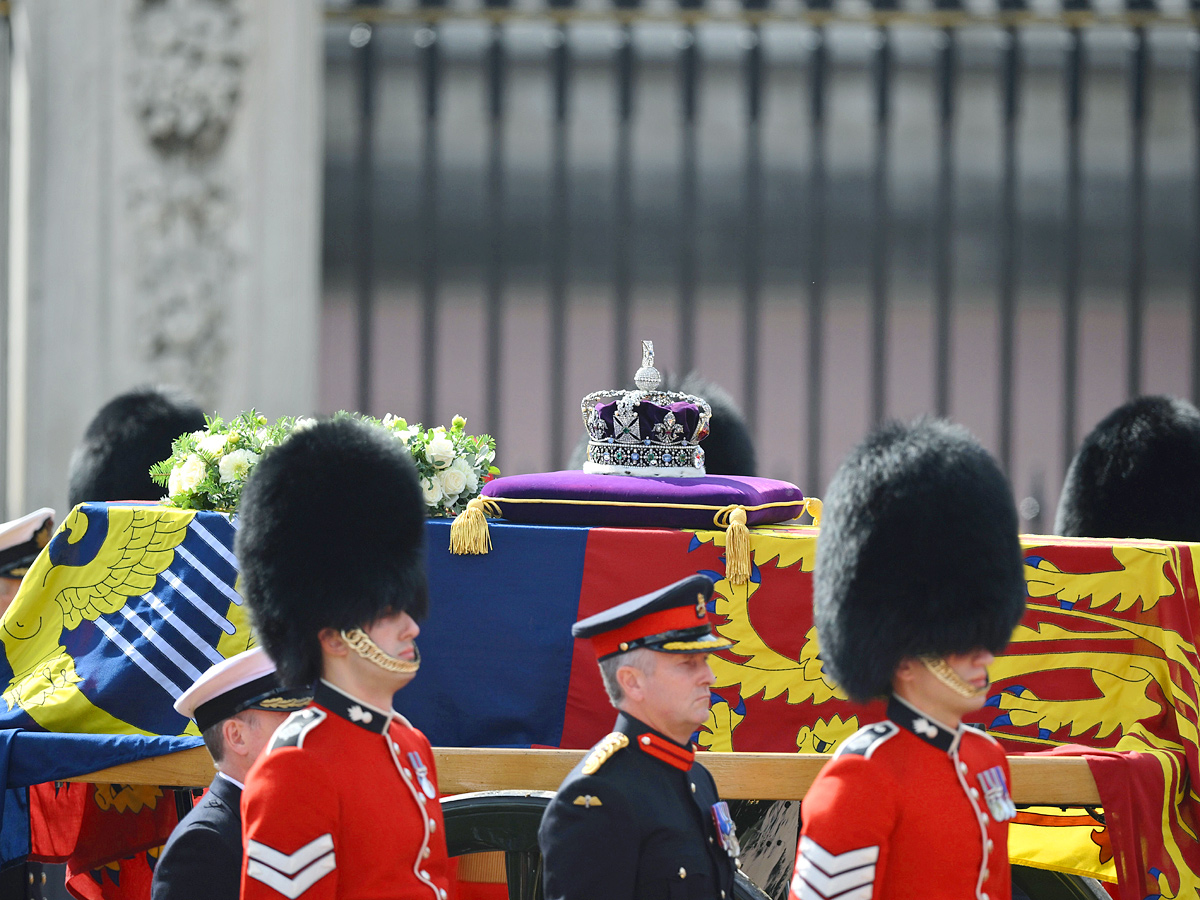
<point x="918" y="584"/>
<point x="639" y="817"/>
<point x="237" y="704"/>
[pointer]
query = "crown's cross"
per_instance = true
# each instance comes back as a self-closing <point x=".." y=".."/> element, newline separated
<point x="647" y="377"/>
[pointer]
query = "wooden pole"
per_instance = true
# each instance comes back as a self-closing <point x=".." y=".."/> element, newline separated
<point x="1037" y="781"/>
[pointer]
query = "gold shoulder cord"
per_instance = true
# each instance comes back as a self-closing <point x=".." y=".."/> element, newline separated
<point x="603" y="751"/>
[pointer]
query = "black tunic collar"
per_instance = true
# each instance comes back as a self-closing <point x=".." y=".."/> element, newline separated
<point x="925" y="727"/>
<point x="350" y="708"/>
<point x="656" y="744"/>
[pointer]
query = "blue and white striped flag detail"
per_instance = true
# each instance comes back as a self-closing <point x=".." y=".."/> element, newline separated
<point x="123" y="610"/>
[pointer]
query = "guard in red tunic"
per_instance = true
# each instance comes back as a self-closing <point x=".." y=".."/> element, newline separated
<point x="919" y="582"/>
<point x="344" y="801"/>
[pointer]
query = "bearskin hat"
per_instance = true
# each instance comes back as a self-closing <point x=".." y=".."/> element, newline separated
<point x="129" y="434"/>
<point x="1137" y="475"/>
<point x="331" y="535"/>
<point x="918" y="555"/>
<point x="728" y="449"/>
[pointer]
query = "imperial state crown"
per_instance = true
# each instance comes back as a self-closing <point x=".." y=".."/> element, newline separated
<point x="645" y="431"/>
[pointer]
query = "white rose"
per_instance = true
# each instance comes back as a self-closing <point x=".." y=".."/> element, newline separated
<point x="186" y="475"/>
<point x="236" y="465"/>
<point x="431" y="489"/>
<point x="303" y="422"/>
<point x="440" y="451"/>
<point x="469" y="476"/>
<point x="213" y="444"/>
<point x="453" y="481"/>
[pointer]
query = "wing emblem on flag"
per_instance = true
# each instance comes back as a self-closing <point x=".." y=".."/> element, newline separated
<point x="122" y="584"/>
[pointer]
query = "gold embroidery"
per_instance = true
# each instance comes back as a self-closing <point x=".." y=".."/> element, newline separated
<point x="696" y="645"/>
<point x="603" y="751"/>
<point x="282" y="703"/>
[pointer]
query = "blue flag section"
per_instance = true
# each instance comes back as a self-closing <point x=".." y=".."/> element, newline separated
<point x="126" y="607"/>
<point x="496" y="649"/>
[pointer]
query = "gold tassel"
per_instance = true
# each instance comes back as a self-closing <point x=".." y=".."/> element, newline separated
<point x="737" y="548"/>
<point x="469" y="532"/>
<point x="813" y="507"/>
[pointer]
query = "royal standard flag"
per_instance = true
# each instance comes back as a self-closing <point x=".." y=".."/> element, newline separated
<point x="123" y="610"/>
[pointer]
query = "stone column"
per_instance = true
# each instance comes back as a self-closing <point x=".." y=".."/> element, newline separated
<point x="164" y="214"/>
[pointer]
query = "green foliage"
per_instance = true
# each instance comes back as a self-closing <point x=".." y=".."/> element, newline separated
<point x="207" y="469"/>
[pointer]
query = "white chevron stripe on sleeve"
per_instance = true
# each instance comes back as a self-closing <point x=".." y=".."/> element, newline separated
<point x="291" y="887"/>
<point x="802" y="891"/>
<point x="290" y="864"/>
<point x="836" y="863"/>
<point x="833" y="885"/>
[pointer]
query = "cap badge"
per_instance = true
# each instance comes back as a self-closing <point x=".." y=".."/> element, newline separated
<point x="587" y="801"/>
<point x="701" y="606"/>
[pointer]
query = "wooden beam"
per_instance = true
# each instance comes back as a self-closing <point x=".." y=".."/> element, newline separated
<point x="187" y="768"/>
<point x="1037" y="781"/>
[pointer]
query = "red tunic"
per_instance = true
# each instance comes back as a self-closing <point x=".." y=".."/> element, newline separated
<point x="907" y="808"/>
<point x="343" y="804"/>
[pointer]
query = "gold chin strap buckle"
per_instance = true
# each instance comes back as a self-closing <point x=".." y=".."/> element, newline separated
<point x="358" y="641"/>
<point x="942" y="672"/>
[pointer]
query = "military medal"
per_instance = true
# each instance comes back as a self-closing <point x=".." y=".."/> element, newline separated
<point x="995" y="791"/>
<point x="726" y="830"/>
<point x="418" y="765"/>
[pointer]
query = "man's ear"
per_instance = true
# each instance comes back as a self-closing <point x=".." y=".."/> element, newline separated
<point x="331" y="642"/>
<point x="631" y="682"/>
<point x="234" y="735"/>
<point x="906" y="671"/>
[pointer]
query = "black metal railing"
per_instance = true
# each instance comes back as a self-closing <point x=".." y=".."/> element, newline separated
<point x="813" y="254"/>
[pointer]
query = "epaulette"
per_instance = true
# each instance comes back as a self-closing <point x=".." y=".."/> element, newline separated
<point x="291" y="733"/>
<point x="603" y="751"/>
<point x="865" y="741"/>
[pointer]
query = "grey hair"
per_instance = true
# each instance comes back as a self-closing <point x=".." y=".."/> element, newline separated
<point x="643" y="659"/>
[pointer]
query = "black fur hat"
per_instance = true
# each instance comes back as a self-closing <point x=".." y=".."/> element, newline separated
<point x="1137" y="475"/>
<point x="728" y="449"/>
<point x="918" y="555"/>
<point x="331" y="536"/>
<point x="129" y="434"/>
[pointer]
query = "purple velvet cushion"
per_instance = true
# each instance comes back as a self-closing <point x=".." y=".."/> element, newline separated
<point x="616" y="493"/>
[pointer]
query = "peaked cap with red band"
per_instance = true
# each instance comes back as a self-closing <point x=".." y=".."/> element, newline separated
<point x="673" y="619"/>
